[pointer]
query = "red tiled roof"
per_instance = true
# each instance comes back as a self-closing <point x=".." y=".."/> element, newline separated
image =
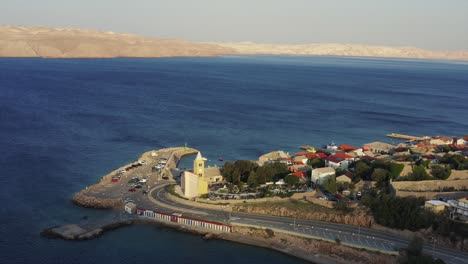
<point x="342" y="155"/>
<point x="401" y="149"/>
<point x="345" y="147"/>
<point x="446" y="139"/>
<point x="300" y="174"/>
<point x="429" y="156"/>
<point x="312" y="156"/>
<point x="335" y="159"/>
<point x="321" y="155"/>
<point x="299" y="163"/>
<point x="349" y="175"/>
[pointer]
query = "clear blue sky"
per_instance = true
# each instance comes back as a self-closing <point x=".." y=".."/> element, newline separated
<point x="433" y="24"/>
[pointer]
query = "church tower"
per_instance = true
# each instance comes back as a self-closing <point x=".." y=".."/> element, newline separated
<point x="199" y="170"/>
<point x="199" y="165"/>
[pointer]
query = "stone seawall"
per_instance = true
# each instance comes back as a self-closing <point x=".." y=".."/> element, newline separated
<point x="94" y="202"/>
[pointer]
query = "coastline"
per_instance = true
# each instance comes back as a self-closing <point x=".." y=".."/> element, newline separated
<point x="309" y="249"/>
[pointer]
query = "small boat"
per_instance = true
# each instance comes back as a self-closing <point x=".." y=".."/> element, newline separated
<point x="220" y="159"/>
<point x="332" y="146"/>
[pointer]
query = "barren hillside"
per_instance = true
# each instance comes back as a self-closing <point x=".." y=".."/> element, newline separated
<point x="344" y="50"/>
<point x="32" y="41"/>
<point x="18" y="41"/>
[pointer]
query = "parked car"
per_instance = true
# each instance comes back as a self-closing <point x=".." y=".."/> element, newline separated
<point x="339" y="196"/>
<point x="143" y="180"/>
<point x="359" y="195"/>
<point x="115" y="179"/>
<point x="138" y="186"/>
<point x="132" y="190"/>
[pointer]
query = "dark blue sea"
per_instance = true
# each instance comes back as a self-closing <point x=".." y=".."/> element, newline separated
<point x="65" y="123"/>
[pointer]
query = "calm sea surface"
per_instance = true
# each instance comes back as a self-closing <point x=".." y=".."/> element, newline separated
<point x="65" y="123"/>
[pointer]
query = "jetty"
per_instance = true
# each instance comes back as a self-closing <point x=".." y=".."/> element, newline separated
<point x="86" y="232"/>
<point x="407" y="137"/>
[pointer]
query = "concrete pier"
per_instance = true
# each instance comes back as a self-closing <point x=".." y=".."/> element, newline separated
<point x="407" y="137"/>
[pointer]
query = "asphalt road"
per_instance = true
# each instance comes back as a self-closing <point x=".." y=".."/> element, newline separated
<point x="346" y="233"/>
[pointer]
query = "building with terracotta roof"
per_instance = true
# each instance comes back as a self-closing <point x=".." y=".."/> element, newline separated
<point x="339" y="160"/>
<point x="346" y="148"/>
<point x="272" y="157"/>
<point x="439" y="140"/>
<point x="378" y="147"/>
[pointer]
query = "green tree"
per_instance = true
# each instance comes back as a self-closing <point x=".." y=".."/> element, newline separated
<point x="252" y="181"/>
<point x="440" y="172"/>
<point x="395" y="169"/>
<point x="363" y="170"/>
<point x="316" y="163"/>
<point x="381" y="177"/>
<point x="330" y="184"/>
<point x="419" y="174"/>
<point x="227" y="171"/>
<point x="291" y="180"/>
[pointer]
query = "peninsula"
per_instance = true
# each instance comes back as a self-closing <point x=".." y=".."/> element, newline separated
<point x="38" y="41"/>
<point x="322" y="204"/>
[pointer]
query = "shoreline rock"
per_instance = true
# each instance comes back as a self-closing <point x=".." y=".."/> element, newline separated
<point x="93" y="202"/>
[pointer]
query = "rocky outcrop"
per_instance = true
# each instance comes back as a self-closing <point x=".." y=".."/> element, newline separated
<point x="357" y="217"/>
<point x="94" y="202"/>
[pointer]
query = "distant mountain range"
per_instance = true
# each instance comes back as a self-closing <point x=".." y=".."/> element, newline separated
<point x="34" y="41"/>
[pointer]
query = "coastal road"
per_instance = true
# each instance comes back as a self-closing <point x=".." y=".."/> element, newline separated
<point x="359" y="236"/>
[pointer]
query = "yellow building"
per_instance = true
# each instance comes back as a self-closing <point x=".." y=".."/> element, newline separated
<point x="194" y="184"/>
<point x="199" y="169"/>
<point x="435" y="205"/>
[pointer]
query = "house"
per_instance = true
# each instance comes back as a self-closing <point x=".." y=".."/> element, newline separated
<point x="339" y="160"/>
<point x="301" y="160"/>
<point x="378" y="147"/>
<point x="459" y="208"/>
<point x="460" y="141"/>
<point x="130" y="208"/>
<point x="439" y="140"/>
<point x="347" y="148"/>
<point x="343" y="178"/>
<point x="272" y="156"/>
<point x="320" y="175"/>
<point x="213" y="174"/>
<point x="357" y="153"/>
<point x="435" y="205"/>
